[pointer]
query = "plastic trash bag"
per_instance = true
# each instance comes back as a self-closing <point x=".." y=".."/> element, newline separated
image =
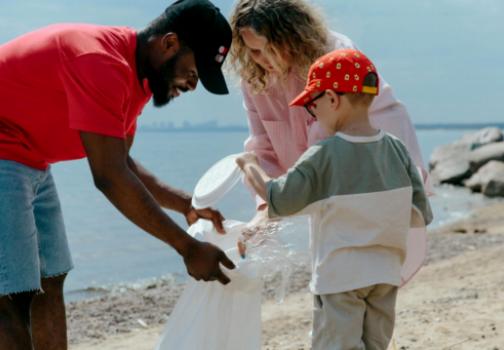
<point x="212" y="316"/>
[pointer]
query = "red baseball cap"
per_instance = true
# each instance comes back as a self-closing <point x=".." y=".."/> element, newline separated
<point x="341" y="70"/>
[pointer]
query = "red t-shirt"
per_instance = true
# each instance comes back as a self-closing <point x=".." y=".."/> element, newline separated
<point x="63" y="79"/>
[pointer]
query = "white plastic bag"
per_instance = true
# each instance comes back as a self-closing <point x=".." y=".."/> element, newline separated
<point x="212" y="316"/>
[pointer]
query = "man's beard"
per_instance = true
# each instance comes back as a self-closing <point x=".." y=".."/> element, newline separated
<point x="161" y="81"/>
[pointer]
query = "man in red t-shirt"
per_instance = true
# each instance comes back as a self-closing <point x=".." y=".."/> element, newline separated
<point x="70" y="91"/>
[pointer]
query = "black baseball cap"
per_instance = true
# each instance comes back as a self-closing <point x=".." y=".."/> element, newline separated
<point x="202" y="27"/>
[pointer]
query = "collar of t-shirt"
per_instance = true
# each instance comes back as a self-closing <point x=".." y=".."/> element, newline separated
<point x="361" y="139"/>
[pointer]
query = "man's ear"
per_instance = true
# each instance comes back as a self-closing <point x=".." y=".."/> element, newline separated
<point x="334" y="98"/>
<point x="170" y="44"/>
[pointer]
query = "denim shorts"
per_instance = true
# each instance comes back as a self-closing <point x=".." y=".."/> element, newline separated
<point x="33" y="242"/>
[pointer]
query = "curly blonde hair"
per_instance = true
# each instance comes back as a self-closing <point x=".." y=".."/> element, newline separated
<point x="293" y="29"/>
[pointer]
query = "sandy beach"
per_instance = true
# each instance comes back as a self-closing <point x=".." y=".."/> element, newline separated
<point x="455" y="302"/>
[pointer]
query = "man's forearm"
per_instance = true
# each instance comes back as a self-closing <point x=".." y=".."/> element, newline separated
<point x="130" y="196"/>
<point x="166" y="196"/>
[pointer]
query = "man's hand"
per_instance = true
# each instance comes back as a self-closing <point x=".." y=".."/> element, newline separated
<point x="193" y="215"/>
<point x="203" y="262"/>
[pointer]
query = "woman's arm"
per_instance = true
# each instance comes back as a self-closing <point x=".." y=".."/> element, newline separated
<point x="260" y="144"/>
<point x="259" y="141"/>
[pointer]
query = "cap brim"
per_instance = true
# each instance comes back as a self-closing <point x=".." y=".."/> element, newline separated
<point x="212" y="78"/>
<point x="302" y="99"/>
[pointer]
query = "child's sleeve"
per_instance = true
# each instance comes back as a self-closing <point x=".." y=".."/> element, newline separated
<point x="421" y="213"/>
<point x="299" y="187"/>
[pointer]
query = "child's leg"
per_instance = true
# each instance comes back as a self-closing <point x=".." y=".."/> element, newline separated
<point x="338" y="320"/>
<point x="380" y="317"/>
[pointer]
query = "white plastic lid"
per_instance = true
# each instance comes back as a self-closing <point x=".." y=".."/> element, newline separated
<point x="216" y="182"/>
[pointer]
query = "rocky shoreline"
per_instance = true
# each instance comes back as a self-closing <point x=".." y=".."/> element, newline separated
<point x="475" y="161"/>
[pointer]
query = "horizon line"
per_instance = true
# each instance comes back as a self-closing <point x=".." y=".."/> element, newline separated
<point x="205" y="127"/>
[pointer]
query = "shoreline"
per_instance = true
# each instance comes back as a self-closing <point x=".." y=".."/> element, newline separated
<point x="137" y="315"/>
<point x="460" y="203"/>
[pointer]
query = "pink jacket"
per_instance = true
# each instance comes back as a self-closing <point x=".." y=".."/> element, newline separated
<point x="279" y="134"/>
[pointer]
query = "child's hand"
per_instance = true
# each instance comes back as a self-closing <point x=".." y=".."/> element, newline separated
<point x="251" y="235"/>
<point x="255" y="236"/>
<point x="242" y="246"/>
<point x="253" y="227"/>
<point x="260" y="218"/>
<point x="254" y="174"/>
<point x="246" y="158"/>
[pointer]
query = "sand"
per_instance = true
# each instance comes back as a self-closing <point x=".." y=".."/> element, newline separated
<point x="455" y="302"/>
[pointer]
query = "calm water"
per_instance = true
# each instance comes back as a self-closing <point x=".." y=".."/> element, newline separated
<point x="107" y="249"/>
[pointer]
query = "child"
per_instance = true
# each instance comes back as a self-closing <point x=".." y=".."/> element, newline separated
<point x="362" y="192"/>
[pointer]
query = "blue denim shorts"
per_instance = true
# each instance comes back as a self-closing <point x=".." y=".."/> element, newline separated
<point x="33" y="242"/>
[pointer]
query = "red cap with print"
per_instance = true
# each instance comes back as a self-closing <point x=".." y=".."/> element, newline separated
<point x="343" y="70"/>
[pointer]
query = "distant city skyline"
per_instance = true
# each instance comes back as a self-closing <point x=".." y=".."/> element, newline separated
<point x="214" y="125"/>
<point x="442" y="57"/>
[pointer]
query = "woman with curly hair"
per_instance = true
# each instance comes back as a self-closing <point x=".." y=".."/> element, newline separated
<point x="274" y="44"/>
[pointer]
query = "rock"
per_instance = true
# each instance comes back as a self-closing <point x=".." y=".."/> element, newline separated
<point x="453" y="171"/>
<point x="456" y="162"/>
<point x="449" y="152"/>
<point x="142" y="323"/>
<point x="485" y="154"/>
<point x="494" y="188"/>
<point x="460" y="230"/>
<point x="467" y="143"/>
<point x="483" y="137"/>
<point x="489" y="179"/>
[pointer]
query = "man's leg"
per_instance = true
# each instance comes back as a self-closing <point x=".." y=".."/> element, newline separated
<point x="48" y="309"/>
<point x="15" y="322"/>
<point x="19" y="254"/>
<point x="48" y="316"/>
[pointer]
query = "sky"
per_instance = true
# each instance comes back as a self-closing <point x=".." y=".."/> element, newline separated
<point x="442" y="57"/>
